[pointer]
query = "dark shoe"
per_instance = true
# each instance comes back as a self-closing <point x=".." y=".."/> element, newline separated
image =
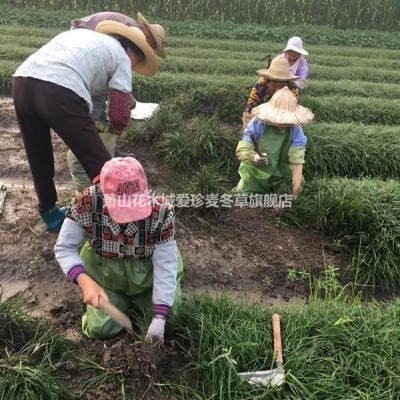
<point x="119" y="153"/>
<point x="54" y="218"/>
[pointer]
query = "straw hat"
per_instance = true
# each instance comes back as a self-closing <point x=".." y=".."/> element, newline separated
<point x="147" y="67"/>
<point x="296" y="44"/>
<point x="283" y="110"/>
<point x="278" y="70"/>
<point x="158" y="33"/>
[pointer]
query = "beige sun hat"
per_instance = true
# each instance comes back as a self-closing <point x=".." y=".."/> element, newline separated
<point x="296" y="44"/>
<point x="283" y="110"/>
<point x="158" y="33"/>
<point x="147" y="67"/>
<point x="278" y="70"/>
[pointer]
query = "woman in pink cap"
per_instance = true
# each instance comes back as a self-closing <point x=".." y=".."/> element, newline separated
<point x="298" y="65"/>
<point x="130" y="258"/>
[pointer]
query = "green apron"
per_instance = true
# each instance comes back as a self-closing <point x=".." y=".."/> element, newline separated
<point x="128" y="284"/>
<point x="256" y="179"/>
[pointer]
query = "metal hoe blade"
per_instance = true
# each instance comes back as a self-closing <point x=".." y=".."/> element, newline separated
<point x="116" y="315"/>
<point x="272" y="377"/>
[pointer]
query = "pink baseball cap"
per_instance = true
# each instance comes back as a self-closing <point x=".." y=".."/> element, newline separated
<point x="124" y="187"/>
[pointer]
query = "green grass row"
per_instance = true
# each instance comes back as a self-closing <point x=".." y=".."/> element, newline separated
<point x="353" y="151"/>
<point x="36" y="37"/>
<point x="228" y="104"/>
<point x="169" y="84"/>
<point x="32" y="360"/>
<point x="228" y="101"/>
<point x="319" y="56"/>
<point x="332" y="350"/>
<point x="365" y="214"/>
<point x="226" y="66"/>
<point x="19" y="48"/>
<point x="166" y="85"/>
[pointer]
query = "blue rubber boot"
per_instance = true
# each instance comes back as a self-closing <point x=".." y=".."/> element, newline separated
<point x="54" y="218"/>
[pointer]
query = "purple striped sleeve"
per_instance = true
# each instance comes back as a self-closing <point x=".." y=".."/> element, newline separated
<point x="74" y="272"/>
<point x="161" y="310"/>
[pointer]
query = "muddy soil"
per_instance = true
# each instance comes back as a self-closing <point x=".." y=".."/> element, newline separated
<point x="248" y="257"/>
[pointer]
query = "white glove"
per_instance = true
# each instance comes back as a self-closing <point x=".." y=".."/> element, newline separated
<point x="257" y="159"/>
<point x="156" y="329"/>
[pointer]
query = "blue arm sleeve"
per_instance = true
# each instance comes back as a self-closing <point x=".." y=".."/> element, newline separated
<point x="255" y="126"/>
<point x="298" y="137"/>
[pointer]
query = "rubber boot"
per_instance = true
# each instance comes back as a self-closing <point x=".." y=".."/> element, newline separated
<point x="54" y="218"/>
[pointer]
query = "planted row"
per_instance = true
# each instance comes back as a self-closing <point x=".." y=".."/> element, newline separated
<point x="353" y="151"/>
<point x="228" y="104"/>
<point x="235" y="67"/>
<point x="229" y="337"/>
<point x="166" y="85"/>
<point x="228" y="100"/>
<point x="354" y="109"/>
<point x="249" y="66"/>
<point x="365" y="214"/>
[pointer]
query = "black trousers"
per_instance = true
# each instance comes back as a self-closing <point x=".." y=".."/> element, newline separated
<point x="40" y="106"/>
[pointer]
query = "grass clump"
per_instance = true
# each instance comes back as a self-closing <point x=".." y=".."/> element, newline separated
<point x="32" y="359"/>
<point x="199" y="141"/>
<point x="365" y="215"/>
<point x="167" y="118"/>
<point x="331" y="350"/>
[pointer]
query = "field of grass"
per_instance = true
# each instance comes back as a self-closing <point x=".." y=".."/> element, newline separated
<point x="203" y="85"/>
<point x="335" y="349"/>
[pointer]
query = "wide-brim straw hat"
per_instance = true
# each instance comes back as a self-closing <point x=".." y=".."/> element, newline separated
<point x="158" y="33"/>
<point x="283" y="110"/>
<point x="296" y="44"/>
<point x="146" y="67"/>
<point x="278" y="70"/>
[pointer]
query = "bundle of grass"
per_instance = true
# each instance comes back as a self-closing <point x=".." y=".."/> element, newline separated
<point x="366" y="215"/>
<point x="167" y="118"/>
<point x="6" y="71"/>
<point x="332" y="350"/>
<point x="200" y="141"/>
<point x="353" y="151"/>
<point x="32" y="359"/>
<point x="227" y="103"/>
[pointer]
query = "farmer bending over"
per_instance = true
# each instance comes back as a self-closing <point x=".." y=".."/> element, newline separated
<point x="277" y="76"/>
<point x="155" y="37"/>
<point x="54" y="87"/>
<point x="131" y="257"/>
